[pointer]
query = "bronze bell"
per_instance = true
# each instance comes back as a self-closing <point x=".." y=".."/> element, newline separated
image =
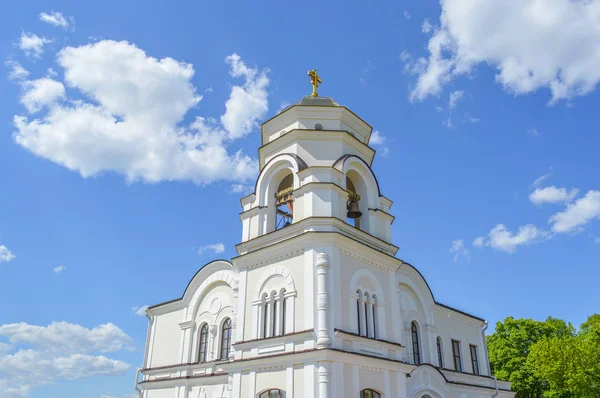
<point x="353" y="211"/>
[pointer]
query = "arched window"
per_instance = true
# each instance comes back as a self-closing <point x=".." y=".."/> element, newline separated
<point x="203" y="343"/>
<point x="368" y="393"/>
<point x="359" y="312"/>
<point x="275" y="393"/>
<point x="366" y="314"/>
<point x="265" y="313"/>
<point x="375" y="315"/>
<point x="414" y="331"/>
<point x="226" y="339"/>
<point x="368" y="328"/>
<point x="439" y="352"/>
<point x="284" y="202"/>
<point x="273" y="313"/>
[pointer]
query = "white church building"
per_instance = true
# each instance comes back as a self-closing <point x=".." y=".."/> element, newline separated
<point x="315" y="304"/>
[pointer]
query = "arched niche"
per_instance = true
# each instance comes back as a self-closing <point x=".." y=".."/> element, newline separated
<point x="360" y="180"/>
<point x="279" y="173"/>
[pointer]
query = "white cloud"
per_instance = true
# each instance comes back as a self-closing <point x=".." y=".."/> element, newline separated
<point x="41" y="93"/>
<point x="129" y="120"/>
<point x="378" y="141"/>
<point x="56" y="18"/>
<point x="32" y="44"/>
<point x="427" y="26"/>
<point x="247" y="103"/>
<point x="552" y="194"/>
<point x="60" y="351"/>
<point x="455" y="96"/>
<point x="533" y="132"/>
<point x="215" y="247"/>
<point x="5" y="254"/>
<point x="140" y="311"/>
<point x="597" y="241"/>
<point x="538" y="181"/>
<point x="406" y="14"/>
<point x="577" y="214"/>
<point x="242" y="188"/>
<point x="59" y="269"/>
<point x="459" y="250"/>
<point x="500" y="238"/>
<point x="453" y="99"/>
<point x="533" y="44"/>
<point x="17" y="72"/>
<point x="67" y="337"/>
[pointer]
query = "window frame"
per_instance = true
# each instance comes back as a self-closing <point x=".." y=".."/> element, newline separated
<point x="203" y="343"/>
<point x="440" y="351"/>
<point x="456" y="356"/>
<point x="414" y="334"/>
<point x="267" y="393"/>
<point x="474" y="359"/>
<point x="373" y="393"/>
<point x="225" y="339"/>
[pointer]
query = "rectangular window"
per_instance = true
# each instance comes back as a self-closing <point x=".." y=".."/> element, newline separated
<point x="456" y="355"/>
<point x="474" y="360"/>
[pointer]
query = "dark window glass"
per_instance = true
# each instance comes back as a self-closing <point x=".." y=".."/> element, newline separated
<point x="415" y="343"/>
<point x="272" y="394"/>
<point x="358" y="313"/>
<point x="368" y="393"/>
<point x="474" y="360"/>
<point x="226" y="339"/>
<point x="366" y="320"/>
<point x="375" y="317"/>
<point x="203" y="343"/>
<point x="456" y="355"/>
<point x="274" y="317"/>
<point x="439" y="352"/>
<point x="265" y="312"/>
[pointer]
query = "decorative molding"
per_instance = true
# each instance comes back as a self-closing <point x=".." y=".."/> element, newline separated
<point x="187" y="324"/>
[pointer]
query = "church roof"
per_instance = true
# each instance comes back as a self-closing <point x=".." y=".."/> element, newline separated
<point x="314" y="101"/>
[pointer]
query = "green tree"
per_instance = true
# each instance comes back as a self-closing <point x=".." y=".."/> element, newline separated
<point x="509" y="347"/>
<point x="567" y="366"/>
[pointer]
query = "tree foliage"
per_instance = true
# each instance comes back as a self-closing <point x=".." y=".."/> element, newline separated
<point x="548" y="359"/>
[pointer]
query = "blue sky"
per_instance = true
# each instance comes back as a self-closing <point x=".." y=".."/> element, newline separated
<point x="487" y="144"/>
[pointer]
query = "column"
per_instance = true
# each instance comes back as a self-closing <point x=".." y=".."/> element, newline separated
<point x="289" y="381"/>
<point x="260" y="311"/>
<point x="279" y="316"/>
<point x="370" y="322"/>
<point x="361" y="314"/>
<point x="187" y="329"/>
<point x="431" y="343"/>
<point x="323" y="339"/>
<point x="324" y="380"/>
<point x="212" y="331"/>
<point x="234" y="319"/>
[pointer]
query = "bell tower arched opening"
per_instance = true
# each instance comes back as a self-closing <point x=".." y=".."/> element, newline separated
<point x="284" y="202"/>
<point x="357" y="206"/>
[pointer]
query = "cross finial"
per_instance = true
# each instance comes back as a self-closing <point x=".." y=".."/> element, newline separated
<point x="315" y="80"/>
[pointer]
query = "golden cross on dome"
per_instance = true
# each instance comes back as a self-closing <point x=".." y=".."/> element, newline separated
<point x="315" y="80"/>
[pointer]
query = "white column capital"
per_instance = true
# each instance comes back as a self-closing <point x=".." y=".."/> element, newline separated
<point x="187" y="325"/>
<point x="322" y="260"/>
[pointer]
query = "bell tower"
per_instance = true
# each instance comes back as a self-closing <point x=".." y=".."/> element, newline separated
<point x="316" y="304"/>
<point x="315" y="175"/>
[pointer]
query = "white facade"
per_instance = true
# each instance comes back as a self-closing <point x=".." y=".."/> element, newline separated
<point x="320" y="307"/>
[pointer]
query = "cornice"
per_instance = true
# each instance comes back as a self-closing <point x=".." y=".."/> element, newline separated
<point x="309" y="224"/>
<point x="297" y="134"/>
